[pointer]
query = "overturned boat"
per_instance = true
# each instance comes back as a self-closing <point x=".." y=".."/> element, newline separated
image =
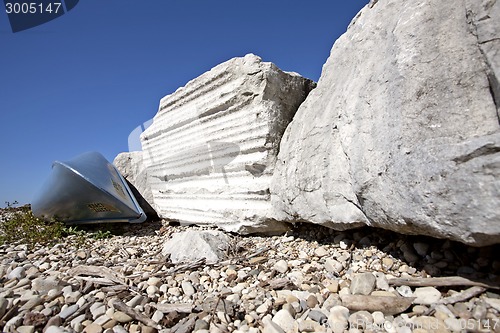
<point x="87" y="189"/>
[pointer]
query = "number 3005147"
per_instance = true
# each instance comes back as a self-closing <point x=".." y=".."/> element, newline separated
<point x="32" y="8"/>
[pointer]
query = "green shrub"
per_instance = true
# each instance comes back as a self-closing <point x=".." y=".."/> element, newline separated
<point x="21" y="226"/>
<point x="18" y="225"/>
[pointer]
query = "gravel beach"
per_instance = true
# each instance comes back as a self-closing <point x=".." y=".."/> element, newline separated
<point x="311" y="279"/>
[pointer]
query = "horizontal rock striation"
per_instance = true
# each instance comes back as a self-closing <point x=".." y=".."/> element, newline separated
<point x="211" y="149"/>
<point x="403" y="130"/>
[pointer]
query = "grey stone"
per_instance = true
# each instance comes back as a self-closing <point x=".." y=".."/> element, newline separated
<point x="65" y="313"/>
<point x="93" y="328"/>
<point x="363" y="284"/>
<point x="193" y="245"/>
<point x="119" y="329"/>
<point x="281" y="266"/>
<point x="3" y="306"/>
<point x="97" y="310"/>
<point x="201" y="325"/>
<point x="404" y="291"/>
<point x="13" y="322"/>
<point x="409" y="254"/>
<point x="333" y="266"/>
<point x="17" y="273"/>
<point x="361" y="320"/>
<point x="271" y="327"/>
<point x="32" y="302"/>
<point x="421" y="248"/>
<point x="284" y="319"/>
<point x="309" y="326"/>
<point x="318" y="316"/>
<point x="157" y="316"/>
<point x="338" y="319"/>
<point x="134" y="301"/>
<point x="25" y="329"/>
<point x="426" y="295"/>
<point x="381" y="281"/>
<point x="44" y="285"/>
<point x="78" y="320"/>
<point x="187" y="288"/>
<point x="121" y="317"/>
<point x="402" y="131"/>
<point x="55" y="329"/>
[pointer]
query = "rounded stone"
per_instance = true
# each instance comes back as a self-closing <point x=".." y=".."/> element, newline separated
<point x="318" y="316"/>
<point x="154" y="281"/>
<point x="93" y="328"/>
<point x="426" y="295"/>
<point x="311" y="301"/>
<point x="361" y="320"/>
<point x="363" y="284"/>
<point x="17" y="273"/>
<point x="187" y="288"/>
<point x="284" y="320"/>
<point x="281" y="266"/>
<point x="68" y="311"/>
<point x="121" y="317"/>
<point x="320" y="252"/>
<point x="152" y="290"/>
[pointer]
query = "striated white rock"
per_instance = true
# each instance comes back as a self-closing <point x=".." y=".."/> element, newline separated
<point x="402" y="131"/>
<point x="211" y="149"/>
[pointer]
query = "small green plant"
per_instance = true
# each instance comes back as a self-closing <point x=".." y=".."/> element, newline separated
<point x="73" y="231"/>
<point x="21" y="226"/>
<point x="99" y="234"/>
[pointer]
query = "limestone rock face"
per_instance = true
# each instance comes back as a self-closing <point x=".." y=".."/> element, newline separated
<point x="402" y="131"/>
<point x="211" y="149"/>
<point x="483" y="16"/>
<point x="132" y="169"/>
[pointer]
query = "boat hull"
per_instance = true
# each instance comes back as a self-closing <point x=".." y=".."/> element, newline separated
<point x="87" y="189"/>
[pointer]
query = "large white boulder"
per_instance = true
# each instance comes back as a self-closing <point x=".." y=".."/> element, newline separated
<point x="403" y="130"/>
<point x="211" y="149"/>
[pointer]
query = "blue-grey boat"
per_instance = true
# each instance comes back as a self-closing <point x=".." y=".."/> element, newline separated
<point x="87" y="189"/>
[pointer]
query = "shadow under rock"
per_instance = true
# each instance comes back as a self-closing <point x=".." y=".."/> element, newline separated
<point x="436" y="257"/>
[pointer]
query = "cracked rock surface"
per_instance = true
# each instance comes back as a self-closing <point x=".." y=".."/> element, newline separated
<point x="402" y="131"/>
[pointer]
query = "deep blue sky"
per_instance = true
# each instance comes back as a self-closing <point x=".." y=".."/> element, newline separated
<point x="85" y="80"/>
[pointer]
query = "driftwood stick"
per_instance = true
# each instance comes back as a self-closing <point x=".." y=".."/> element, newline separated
<point x="100" y="271"/>
<point x="182" y="267"/>
<point x="100" y="281"/>
<point x="463" y="295"/>
<point x="258" y="252"/>
<point x="282" y="283"/>
<point x="386" y="304"/>
<point x="446" y="281"/>
<point x="186" y="325"/>
<point x="180" y="308"/>
<point x="120" y="306"/>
